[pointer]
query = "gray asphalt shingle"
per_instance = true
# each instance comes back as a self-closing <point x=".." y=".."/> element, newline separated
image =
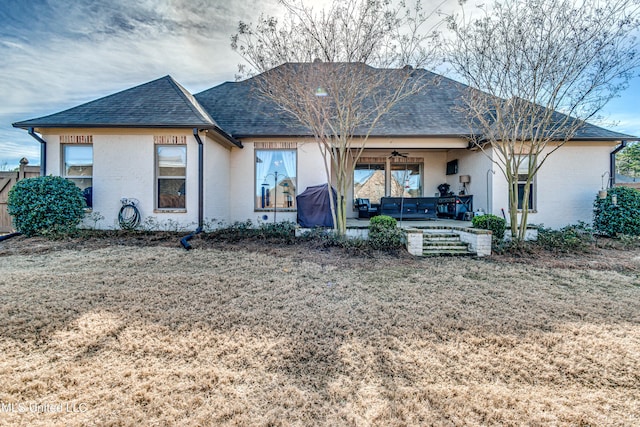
<point x="235" y="109"/>
<point x="159" y="103"/>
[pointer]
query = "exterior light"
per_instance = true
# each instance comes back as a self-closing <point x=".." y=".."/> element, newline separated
<point x="602" y="194"/>
<point x="321" y="92"/>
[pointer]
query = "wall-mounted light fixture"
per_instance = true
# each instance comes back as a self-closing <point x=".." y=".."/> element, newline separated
<point x="602" y="194"/>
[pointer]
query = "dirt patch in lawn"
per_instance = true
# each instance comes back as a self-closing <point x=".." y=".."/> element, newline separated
<point x="132" y="335"/>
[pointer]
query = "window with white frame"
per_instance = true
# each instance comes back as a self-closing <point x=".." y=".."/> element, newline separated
<point x="522" y="184"/>
<point x="77" y="167"/>
<point x="171" y="176"/>
<point x="275" y="179"/>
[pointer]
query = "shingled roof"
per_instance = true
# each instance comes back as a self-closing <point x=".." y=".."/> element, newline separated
<point x="235" y="110"/>
<point x="432" y="112"/>
<point x="239" y="109"/>
<point x="161" y="103"/>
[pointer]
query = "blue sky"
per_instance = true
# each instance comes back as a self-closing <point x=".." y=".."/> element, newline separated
<point x="56" y="54"/>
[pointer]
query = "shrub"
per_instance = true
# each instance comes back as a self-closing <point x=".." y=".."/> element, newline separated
<point x="621" y="218"/>
<point x="572" y="238"/>
<point x="384" y="233"/>
<point x="46" y="205"/>
<point x="491" y="222"/>
<point x="280" y="231"/>
<point x="324" y="238"/>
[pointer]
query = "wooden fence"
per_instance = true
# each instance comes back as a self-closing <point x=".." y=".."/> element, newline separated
<point x="635" y="185"/>
<point x="8" y="180"/>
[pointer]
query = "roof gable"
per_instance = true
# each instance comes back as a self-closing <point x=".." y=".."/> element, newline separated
<point x="159" y="103"/>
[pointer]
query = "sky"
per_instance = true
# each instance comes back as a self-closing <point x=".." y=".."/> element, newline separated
<point x="57" y="54"/>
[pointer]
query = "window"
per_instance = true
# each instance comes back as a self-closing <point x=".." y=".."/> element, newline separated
<point x="77" y="167"/>
<point x="406" y="180"/>
<point x="275" y="184"/>
<point x="171" y="175"/>
<point x="522" y="182"/>
<point x="369" y="181"/>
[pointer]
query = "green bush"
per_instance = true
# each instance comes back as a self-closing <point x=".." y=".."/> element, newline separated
<point x="621" y="218"/>
<point x="46" y="205"/>
<point x="491" y="222"/>
<point x="384" y="233"/>
<point x="572" y="238"/>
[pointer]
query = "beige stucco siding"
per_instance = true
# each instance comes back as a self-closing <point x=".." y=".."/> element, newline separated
<point x="477" y="165"/>
<point x="310" y="171"/>
<point x="566" y="185"/>
<point x="124" y="167"/>
<point x="217" y="195"/>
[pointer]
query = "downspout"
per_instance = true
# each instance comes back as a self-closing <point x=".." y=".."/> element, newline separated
<point x="9" y="236"/>
<point x="43" y="152"/>
<point x="612" y="163"/>
<point x="185" y="240"/>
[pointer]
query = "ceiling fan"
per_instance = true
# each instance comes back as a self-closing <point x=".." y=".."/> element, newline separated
<point x="396" y="153"/>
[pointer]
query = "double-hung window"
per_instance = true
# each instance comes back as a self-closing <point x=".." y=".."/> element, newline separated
<point x="523" y="173"/>
<point x="77" y="167"/>
<point x="171" y="176"/>
<point x="275" y="183"/>
<point x="522" y="183"/>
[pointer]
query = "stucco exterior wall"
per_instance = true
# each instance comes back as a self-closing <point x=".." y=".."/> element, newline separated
<point x="124" y="167"/>
<point x="310" y="171"/>
<point x="566" y="185"/>
<point x="477" y="165"/>
<point x="217" y="189"/>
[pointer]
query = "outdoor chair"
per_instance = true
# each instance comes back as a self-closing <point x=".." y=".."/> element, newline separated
<point x="364" y="208"/>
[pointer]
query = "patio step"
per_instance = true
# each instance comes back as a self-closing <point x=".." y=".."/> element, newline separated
<point x="441" y="242"/>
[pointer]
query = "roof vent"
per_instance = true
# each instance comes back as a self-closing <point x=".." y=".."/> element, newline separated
<point x="315" y="61"/>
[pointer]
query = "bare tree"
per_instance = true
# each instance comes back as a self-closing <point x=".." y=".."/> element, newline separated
<point x="538" y="70"/>
<point x="318" y="67"/>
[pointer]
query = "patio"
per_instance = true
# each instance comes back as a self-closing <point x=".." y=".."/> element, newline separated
<point x="357" y="223"/>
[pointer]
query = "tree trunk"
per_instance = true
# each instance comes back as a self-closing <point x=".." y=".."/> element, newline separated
<point x="513" y="209"/>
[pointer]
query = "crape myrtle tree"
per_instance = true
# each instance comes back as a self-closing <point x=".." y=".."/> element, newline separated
<point x="345" y="67"/>
<point x="538" y="69"/>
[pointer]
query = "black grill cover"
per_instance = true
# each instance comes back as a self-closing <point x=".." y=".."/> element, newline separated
<point x="314" y="209"/>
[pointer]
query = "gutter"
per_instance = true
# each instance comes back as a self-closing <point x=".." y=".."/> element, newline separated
<point x="43" y="152"/>
<point x="612" y="163"/>
<point x="185" y="240"/>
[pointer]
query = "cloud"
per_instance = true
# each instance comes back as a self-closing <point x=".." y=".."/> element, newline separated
<point x="75" y="51"/>
<point x="59" y="54"/>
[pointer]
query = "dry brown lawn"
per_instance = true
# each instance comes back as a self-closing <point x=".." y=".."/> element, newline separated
<point x="126" y="335"/>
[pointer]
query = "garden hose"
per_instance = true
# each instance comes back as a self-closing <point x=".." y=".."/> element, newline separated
<point x="129" y="216"/>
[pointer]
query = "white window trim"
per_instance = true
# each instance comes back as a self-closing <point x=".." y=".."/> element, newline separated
<point x="158" y="177"/>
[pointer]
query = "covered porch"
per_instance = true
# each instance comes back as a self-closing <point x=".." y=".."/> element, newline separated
<point x="421" y="179"/>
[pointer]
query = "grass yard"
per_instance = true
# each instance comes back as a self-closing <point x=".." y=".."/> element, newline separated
<point x="125" y="335"/>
